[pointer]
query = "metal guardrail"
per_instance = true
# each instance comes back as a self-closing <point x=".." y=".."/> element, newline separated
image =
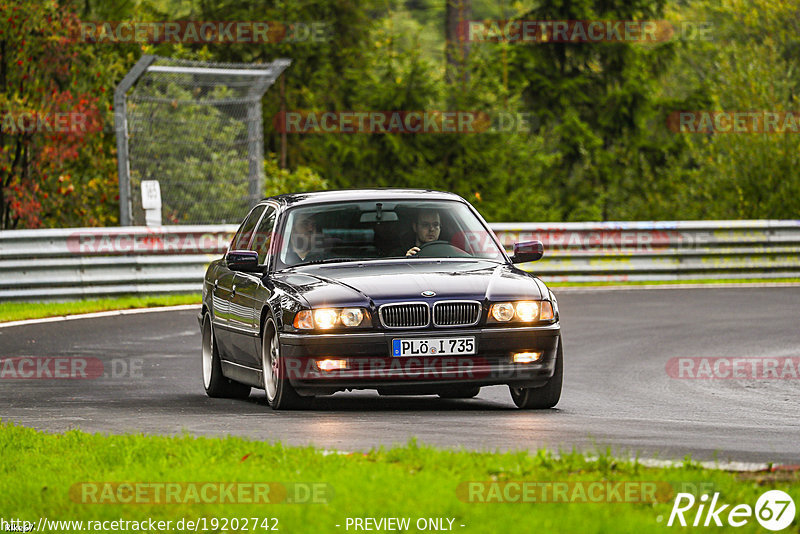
<point x="661" y="250"/>
<point x="94" y="262"/>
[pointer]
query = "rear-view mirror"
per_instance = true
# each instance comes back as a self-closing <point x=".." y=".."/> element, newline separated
<point x="372" y="217"/>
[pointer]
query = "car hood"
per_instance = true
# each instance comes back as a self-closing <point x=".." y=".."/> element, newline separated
<point x="355" y="284"/>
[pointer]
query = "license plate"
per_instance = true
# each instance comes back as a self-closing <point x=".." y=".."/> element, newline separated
<point x="433" y="346"/>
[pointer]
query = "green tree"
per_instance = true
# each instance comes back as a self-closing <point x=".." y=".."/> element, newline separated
<point x="600" y="100"/>
<point x="747" y="61"/>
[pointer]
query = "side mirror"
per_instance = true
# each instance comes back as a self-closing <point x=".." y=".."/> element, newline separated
<point x="527" y="251"/>
<point x="242" y="260"/>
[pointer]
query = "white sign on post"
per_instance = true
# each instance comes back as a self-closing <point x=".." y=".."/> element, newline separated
<point x="151" y="202"/>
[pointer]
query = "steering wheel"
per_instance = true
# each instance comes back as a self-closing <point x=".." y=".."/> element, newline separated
<point x="440" y="249"/>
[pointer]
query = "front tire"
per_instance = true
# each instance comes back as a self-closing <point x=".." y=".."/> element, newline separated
<point x="214" y="382"/>
<point x="280" y="393"/>
<point x="545" y="396"/>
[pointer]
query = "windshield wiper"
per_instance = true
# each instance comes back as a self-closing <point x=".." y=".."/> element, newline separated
<point x="328" y="260"/>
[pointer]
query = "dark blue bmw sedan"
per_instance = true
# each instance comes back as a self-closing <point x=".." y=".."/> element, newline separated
<point x="407" y="292"/>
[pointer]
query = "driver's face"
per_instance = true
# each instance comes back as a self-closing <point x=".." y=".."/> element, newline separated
<point x="427" y="227"/>
<point x="303" y="234"/>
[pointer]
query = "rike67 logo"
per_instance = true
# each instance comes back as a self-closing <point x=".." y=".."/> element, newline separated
<point x="774" y="510"/>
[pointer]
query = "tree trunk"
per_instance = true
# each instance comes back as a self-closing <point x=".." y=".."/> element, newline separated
<point x="457" y="13"/>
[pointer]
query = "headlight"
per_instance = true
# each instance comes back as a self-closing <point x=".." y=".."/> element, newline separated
<point x="352" y="316"/>
<point x="327" y="318"/>
<point x="503" y="311"/>
<point x="526" y="311"/>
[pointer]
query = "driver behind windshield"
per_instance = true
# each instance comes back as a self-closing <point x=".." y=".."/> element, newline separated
<point x="305" y="241"/>
<point x="426" y="228"/>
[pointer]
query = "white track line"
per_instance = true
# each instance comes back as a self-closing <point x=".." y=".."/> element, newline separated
<point x="716" y="465"/>
<point x="110" y="313"/>
<point x="739" y="467"/>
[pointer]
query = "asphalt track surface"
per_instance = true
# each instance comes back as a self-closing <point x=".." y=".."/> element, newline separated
<point x="617" y="393"/>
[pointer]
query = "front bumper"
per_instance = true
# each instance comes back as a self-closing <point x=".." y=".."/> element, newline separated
<point x="370" y="364"/>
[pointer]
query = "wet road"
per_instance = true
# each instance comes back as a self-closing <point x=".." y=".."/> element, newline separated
<point x="617" y="391"/>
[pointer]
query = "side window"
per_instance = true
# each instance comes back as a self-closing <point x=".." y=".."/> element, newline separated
<point x="263" y="236"/>
<point x="242" y="237"/>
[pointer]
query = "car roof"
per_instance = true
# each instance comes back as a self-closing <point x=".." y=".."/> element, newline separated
<point x="317" y="197"/>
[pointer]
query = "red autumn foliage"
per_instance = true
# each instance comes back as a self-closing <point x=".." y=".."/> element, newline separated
<point x="50" y="119"/>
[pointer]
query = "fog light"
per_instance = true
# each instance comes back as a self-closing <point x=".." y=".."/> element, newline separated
<point x="331" y="365"/>
<point x="526" y="357"/>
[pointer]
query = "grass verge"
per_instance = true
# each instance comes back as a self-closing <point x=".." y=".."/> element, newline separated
<point x="45" y="476"/>
<point x="18" y="311"/>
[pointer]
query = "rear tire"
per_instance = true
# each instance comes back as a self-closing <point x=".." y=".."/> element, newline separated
<point x="215" y="383"/>
<point x="280" y="393"/>
<point x="460" y="393"/>
<point x="545" y="396"/>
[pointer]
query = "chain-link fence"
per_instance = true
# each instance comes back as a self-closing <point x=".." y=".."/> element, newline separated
<point x="197" y="129"/>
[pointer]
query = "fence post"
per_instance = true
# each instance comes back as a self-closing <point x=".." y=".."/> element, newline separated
<point x="121" y="130"/>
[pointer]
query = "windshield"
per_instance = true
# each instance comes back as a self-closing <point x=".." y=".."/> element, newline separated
<point x="357" y="230"/>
